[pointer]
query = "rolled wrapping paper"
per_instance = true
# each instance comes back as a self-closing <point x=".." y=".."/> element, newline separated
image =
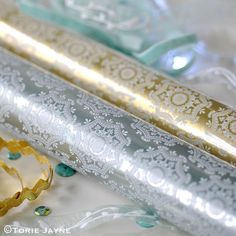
<point x="151" y="96"/>
<point x="191" y="189"/>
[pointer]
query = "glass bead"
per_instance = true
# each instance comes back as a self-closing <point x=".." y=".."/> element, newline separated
<point x="14" y="155"/>
<point x="146" y="222"/>
<point x="64" y="170"/>
<point x="42" y="211"/>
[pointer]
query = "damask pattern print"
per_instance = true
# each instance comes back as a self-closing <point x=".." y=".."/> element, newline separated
<point x="33" y="27"/>
<point x="223" y="121"/>
<point x="55" y="111"/>
<point x="95" y="107"/>
<point x="11" y="78"/>
<point x="127" y="73"/>
<point x="41" y="79"/>
<point x="176" y="100"/>
<point x="147" y="94"/>
<point x="182" y="184"/>
<point x="84" y="52"/>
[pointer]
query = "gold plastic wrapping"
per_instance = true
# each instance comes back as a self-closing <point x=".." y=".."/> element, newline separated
<point x="149" y="95"/>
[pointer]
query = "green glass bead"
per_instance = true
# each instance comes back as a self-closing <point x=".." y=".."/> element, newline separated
<point x="14" y="155"/>
<point x="42" y="211"/>
<point x="64" y="170"/>
<point x="146" y="222"/>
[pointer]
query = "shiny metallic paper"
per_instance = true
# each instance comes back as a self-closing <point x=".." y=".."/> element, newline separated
<point x="193" y="190"/>
<point x="149" y="95"/>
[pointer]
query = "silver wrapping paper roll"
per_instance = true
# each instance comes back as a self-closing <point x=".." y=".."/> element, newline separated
<point x="183" y="185"/>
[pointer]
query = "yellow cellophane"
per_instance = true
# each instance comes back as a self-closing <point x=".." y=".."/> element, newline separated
<point x="149" y="95"/>
<point x="26" y="193"/>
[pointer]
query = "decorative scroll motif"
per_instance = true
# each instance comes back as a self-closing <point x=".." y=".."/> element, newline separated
<point x="182" y="184"/>
<point x="121" y="81"/>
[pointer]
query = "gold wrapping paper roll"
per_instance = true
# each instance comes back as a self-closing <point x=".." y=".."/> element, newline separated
<point x="150" y="95"/>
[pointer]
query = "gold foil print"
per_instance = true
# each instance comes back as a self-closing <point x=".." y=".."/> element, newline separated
<point x="149" y="95"/>
<point x="26" y="193"/>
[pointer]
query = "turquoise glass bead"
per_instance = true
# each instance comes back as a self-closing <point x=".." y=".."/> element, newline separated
<point x="64" y="170"/>
<point x="145" y="222"/>
<point x="14" y="155"/>
<point x="42" y="211"/>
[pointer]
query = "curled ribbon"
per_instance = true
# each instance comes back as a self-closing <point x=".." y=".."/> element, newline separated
<point x="25" y="193"/>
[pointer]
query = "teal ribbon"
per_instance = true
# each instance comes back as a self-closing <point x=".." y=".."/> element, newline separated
<point x="153" y="53"/>
<point x="148" y="56"/>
